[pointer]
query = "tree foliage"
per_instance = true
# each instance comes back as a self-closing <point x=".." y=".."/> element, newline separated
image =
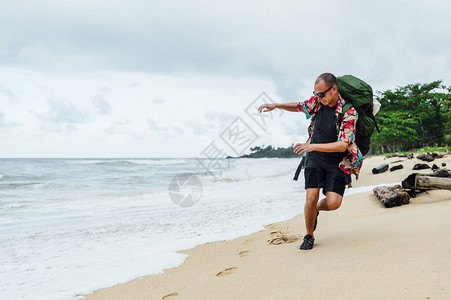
<point x="270" y="151"/>
<point x="415" y="115"/>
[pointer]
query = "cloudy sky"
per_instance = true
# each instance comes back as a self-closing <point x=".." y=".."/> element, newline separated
<point x="169" y="78"/>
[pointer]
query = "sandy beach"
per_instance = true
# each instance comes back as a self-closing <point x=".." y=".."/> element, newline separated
<point x="362" y="251"/>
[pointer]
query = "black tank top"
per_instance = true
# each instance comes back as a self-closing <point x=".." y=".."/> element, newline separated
<point x="324" y="131"/>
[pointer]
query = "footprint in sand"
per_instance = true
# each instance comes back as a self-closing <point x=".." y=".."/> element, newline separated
<point x="248" y="241"/>
<point x="283" y="238"/>
<point x="243" y="253"/>
<point x="226" y="271"/>
<point x="170" y="296"/>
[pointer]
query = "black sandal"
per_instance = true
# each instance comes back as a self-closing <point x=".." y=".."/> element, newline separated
<point x="308" y="242"/>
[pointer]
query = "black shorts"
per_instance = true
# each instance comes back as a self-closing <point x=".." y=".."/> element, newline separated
<point x="329" y="177"/>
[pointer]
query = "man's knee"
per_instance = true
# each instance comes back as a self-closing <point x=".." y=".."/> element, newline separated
<point x="334" y="203"/>
<point x="312" y="200"/>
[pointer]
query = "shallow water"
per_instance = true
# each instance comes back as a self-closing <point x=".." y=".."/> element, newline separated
<point x="71" y="226"/>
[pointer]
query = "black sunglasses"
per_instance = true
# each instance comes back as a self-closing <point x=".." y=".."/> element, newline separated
<point x="323" y="94"/>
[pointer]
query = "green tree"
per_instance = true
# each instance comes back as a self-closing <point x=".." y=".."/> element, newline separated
<point x="397" y="130"/>
<point x="415" y="115"/>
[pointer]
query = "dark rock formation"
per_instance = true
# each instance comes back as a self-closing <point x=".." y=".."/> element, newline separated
<point x="426" y="157"/>
<point x="421" y="166"/>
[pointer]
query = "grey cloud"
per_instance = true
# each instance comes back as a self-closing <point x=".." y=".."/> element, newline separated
<point x="385" y="41"/>
<point x="198" y="128"/>
<point x="174" y="132"/>
<point x="58" y="127"/>
<point x="159" y="101"/>
<point x="218" y="119"/>
<point x="8" y="93"/>
<point x="221" y="116"/>
<point x="111" y="130"/>
<point x="102" y="106"/>
<point x="66" y="112"/>
<point x="153" y="125"/>
<point x="105" y="89"/>
<point x="71" y="128"/>
<point x="4" y="124"/>
<point x="211" y="121"/>
<point x="2" y="120"/>
<point x="169" y="131"/>
<point x="117" y="126"/>
<point x="297" y="127"/>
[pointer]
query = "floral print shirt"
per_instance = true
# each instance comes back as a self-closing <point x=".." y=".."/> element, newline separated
<point x="352" y="162"/>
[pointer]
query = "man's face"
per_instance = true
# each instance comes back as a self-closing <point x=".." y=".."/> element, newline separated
<point x="330" y="98"/>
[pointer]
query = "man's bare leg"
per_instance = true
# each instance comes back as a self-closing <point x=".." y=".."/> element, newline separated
<point x="331" y="202"/>
<point x="310" y="209"/>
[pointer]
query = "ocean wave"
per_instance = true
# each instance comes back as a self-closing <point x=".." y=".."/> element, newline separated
<point x="19" y="185"/>
<point x="13" y="206"/>
<point x="91" y="162"/>
<point x="129" y="161"/>
<point x="35" y="185"/>
<point x="6" y="177"/>
<point x="159" y="162"/>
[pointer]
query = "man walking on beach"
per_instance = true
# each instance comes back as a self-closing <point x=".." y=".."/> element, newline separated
<point x="332" y="155"/>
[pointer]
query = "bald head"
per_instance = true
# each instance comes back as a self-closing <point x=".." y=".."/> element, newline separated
<point x="328" y="78"/>
<point x="326" y="89"/>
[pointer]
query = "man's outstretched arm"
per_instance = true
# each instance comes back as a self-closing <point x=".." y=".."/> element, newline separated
<point x="329" y="147"/>
<point x="293" y="106"/>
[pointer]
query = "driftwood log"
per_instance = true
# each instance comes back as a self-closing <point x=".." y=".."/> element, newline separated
<point x="397" y="167"/>
<point x="408" y="155"/>
<point x="391" y="195"/>
<point x="437" y="180"/>
<point x="440" y="179"/>
<point x="415" y="183"/>
<point x="431" y="156"/>
<point x="380" y="169"/>
<point x="432" y="183"/>
<point x="397" y="161"/>
<point x="437" y="155"/>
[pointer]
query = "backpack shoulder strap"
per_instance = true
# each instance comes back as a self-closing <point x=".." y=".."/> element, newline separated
<point x="345" y="108"/>
<point x="312" y="112"/>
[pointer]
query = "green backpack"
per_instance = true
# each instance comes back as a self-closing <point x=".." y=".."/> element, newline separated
<point x="359" y="94"/>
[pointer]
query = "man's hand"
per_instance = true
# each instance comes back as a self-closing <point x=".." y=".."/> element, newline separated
<point x="302" y="148"/>
<point x="268" y="107"/>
